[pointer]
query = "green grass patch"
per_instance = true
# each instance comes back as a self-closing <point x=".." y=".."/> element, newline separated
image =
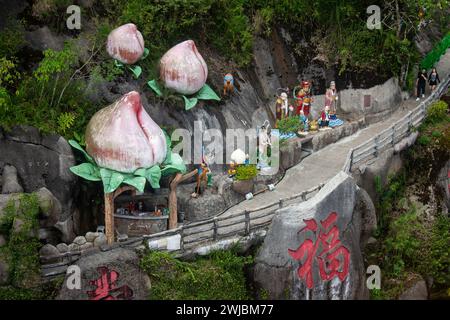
<point x="217" y="276"/>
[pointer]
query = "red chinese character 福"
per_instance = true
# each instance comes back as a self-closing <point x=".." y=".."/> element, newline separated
<point x="106" y="288"/>
<point x="332" y="257"/>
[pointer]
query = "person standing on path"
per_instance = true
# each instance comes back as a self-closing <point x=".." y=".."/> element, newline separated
<point x="421" y="82"/>
<point x="433" y="79"/>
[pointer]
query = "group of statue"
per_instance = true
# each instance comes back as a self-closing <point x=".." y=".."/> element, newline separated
<point x="303" y="99"/>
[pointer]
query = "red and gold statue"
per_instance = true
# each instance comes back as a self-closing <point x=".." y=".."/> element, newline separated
<point x="303" y="97"/>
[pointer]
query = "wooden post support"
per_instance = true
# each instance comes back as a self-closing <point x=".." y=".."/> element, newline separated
<point x="109" y="217"/>
<point x="173" y="202"/>
<point x="109" y="211"/>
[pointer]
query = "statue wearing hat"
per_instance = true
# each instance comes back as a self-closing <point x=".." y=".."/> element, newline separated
<point x="303" y="98"/>
<point x="331" y="98"/>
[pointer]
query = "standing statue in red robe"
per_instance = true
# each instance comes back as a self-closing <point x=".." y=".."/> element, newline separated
<point x="303" y="98"/>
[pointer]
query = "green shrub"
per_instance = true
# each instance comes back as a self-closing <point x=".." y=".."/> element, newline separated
<point x="437" y="112"/>
<point x="22" y="246"/>
<point x="218" y="276"/>
<point x="289" y="125"/>
<point x="246" y="172"/>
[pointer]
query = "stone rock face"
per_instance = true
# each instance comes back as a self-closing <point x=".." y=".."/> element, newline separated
<point x="387" y="164"/>
<point x="418" y="291"/>
<point x="206" y="205"/>
<point x="290" y="154"/>
<point x="444" y="183"/>
<point x="66" y="228"/>
<point x="10" y="182"/>
<point x="43" y="39"/>
<point x="41" y="161"/>
<point x="49" y="205"/>
<point x="4" y="270"/>
<point x="366" y="214"/>
<point x="131" y="282"/>
<point x="276" y="271"/>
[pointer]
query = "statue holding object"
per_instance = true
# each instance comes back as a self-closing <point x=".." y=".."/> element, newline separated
<point x="331" y="98"/>
<point x="263" y="144"/>
<point x="303" y="97"/>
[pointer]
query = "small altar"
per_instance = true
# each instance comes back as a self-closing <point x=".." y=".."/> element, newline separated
<point x="138" y="215"/>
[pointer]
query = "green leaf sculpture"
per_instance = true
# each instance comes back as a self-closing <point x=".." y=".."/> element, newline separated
<point x="206" y="93"/>
<point x="189" y="103"/>
<point x="155" y="87"/>
<point x="111" y="179"/>
<point x="87" y="171"/>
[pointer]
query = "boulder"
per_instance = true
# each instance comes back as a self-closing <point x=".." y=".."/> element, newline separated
<point x="207" y="204"/>
<point x="62" y="248"/>
<point x="90" y="236"/>
<point x="49" y="254"/>
<point x="10" y="181"/>
<point x="280" y="258"/>
<point x="80" y="240"/>
<point x="41" y="161"/>
<point x="73" y="247"/>
<point x="49" y="205"/>
<point x="417" y="291"/>
<point x="119" y="267"/>
<point x="290" y="153"/>
<point x="2" y="241"/>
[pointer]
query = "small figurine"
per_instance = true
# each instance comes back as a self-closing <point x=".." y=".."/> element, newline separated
<point x="232" y="169"/>
<point x="324" y="119"/>
<point x="303" y="98"/>
<point x="202" y="176"/>
<point x="228" y="84"/>
<point x="305" y="122"/>
<point x="314" y="126"/>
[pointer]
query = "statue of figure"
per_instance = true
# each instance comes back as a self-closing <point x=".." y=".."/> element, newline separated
<point x="331" y="98"/>
<point x="264" y="143"/>
<point x="303" y="98"/>
<point x="202" y="176"/>
<point x="324" y="119"/>
<point x="331" y="102"/>
<point x="282" y="106"/>
<point x="228" y="84"/>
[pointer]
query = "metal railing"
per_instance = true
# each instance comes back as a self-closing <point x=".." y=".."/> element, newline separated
<point x="394" y="134"/>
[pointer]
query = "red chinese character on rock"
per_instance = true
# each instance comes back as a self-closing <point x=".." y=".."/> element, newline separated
<point x="106" y="287"/>
<point x="332" y="257"/>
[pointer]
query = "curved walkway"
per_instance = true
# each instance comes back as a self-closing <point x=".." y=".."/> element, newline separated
<point x="324" y="164"/>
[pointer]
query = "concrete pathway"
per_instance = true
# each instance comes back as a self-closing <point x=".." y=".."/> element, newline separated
<point x="324" y="164"/>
